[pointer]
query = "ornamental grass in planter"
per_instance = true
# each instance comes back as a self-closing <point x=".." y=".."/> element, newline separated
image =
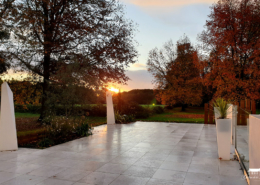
<point x="221" y="108"/>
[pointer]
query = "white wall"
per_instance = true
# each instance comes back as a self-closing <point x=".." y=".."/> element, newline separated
<point x="254" y="146"/>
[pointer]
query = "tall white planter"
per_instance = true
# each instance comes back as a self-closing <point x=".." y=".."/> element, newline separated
<point x="110" y="109"/>
<point x="8" y="135"/>
<point x="232" y="114"/>
<point x="223" y="138"/>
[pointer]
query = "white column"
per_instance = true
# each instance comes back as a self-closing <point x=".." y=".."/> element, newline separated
<point x="234" y="124"/>
<point x="254" y="149"/>
<point x="8" y="135"/>
<point x="230" y="116"/>
<point x="110" y="109"/>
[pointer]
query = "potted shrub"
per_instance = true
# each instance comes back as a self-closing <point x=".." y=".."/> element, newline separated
<point x="224" y="124"/>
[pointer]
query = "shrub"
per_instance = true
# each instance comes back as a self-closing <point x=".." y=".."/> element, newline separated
<point x="143" y="114"/>
<point x="45" y="142"/>
<point x="158" y="110"/>
<point x="169" y="107"/>
<point x="61" y="129"/>
<point x="35" y="109"/>
<point x="75" y="111"/>
<point x="222" y="107"/>
<point x="129" y="118"/>
<point x="98" y="111"/>
<point x="136" y="110"/>
<point x="84" y="129"/>
<point x="82" y="110"/>
<point x="123" y="118"/>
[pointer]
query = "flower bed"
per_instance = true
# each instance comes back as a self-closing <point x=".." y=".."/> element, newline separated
<point x="57" y="130"/>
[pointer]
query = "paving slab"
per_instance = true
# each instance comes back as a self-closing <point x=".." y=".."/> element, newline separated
<point x="140" y="153"/>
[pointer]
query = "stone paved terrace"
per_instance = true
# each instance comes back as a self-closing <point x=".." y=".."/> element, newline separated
<point x="132" y="154"/>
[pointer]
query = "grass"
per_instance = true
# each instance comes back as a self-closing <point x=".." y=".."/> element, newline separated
<point x="29" y="132"/>
<point x="191" y="115"/>
<point x="26" y="115"/>
<point x="163" y="118"/>
<point x="96" y="121"/>
<point x="151" y="106"/>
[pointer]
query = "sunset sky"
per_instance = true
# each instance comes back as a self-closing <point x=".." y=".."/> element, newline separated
<point x="159" y="21"/>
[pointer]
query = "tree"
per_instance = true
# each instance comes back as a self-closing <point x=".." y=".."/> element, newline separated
<point x="92" y="36"/>
<point x="231" y="42"/>
<point x="177" y="76"/>
<point x="5" y="7"/>
<point x="138" y="96"/>
<point x="25" y="92"/>
<point x="67" y="94"/>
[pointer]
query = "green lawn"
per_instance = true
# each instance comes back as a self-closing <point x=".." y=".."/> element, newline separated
<point x="96" y="121"/>
<point x="29" y="132"/>
<point x="151" y="106"/>
<point x="162" y="118"/>
<point x="26" y="115"/>
<point x="191" y="115"/>
<point x="189" y="110"/>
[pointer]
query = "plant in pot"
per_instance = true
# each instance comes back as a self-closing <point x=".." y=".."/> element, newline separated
<point x="221" y="109"/>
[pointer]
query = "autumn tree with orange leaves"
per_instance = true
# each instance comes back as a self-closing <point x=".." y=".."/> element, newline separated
<point x="25" y="92"/>
<point x="232" y="41"/>
<point x="176" y="73"/>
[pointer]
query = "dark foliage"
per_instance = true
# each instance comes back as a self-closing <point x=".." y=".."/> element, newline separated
<point x="158" y="110"/>
<point x="135" y="109"/>
<point x="121" y="119"/>
<point x="99" y="111"/>
<point x="138" y="96"/>
<point x="5" y="9"/>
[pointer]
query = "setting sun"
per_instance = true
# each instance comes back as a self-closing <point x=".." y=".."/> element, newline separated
<point x="113" y="89"/>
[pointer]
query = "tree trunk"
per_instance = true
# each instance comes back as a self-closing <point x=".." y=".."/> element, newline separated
<point x="46" y="61"/>
<point x="119" y="102"/>
<point x="46" y="78"/>
<point x="183" y="107"/>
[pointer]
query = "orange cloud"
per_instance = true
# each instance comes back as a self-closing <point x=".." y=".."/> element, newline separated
<point x="139" y="66"/>
<point x="167" y="2"/>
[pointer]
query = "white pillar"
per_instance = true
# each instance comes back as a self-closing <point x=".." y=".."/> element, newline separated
<point x="110" y="109"/>
<point x="234" y="124"/>
<point x="8" y="135"/>
<point x="254" y="149"/>
<point x="230" y="116"/>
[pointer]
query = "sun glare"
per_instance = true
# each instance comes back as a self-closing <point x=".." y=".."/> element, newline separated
<point x="113" y="89"/>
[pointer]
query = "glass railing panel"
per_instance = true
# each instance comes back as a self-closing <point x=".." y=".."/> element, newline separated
<point x="242" y="136"/>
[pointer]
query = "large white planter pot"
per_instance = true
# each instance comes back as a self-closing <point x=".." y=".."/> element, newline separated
<point x="223" y="138"/>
